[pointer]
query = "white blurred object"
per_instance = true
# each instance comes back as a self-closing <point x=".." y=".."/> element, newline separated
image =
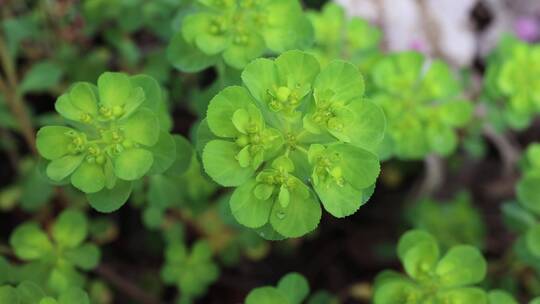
<point x="435" y="27"/>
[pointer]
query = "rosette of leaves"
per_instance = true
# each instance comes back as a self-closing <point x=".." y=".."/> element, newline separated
<point x="54" y="262"/>
<point x="237" y="31"/>
<point x="116" y="134"/>
<point x="422" y="103"/>
<point x="293" y="135"/>
<point x="191" y="270"/>
<point x="293" y="288"/>
<point x="450" y="222"/>
<point x="30" y="293"/>
<point x="431" y="278"/>
<point x="512" y="83"/>
<point x="339" y="37"/>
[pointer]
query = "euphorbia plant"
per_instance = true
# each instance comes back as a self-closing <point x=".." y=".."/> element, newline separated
<point x="116" y="136"/>
<point x="431" y="278"/>
<point x="237" y="31"/>
<point x="293" y="135"/>
<point x="513" y="82"/>
<point x="422" y="104"/>
<point x="338" y="37"/>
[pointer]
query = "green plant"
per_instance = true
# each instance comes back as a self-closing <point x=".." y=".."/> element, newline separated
<point x="292" y="288"/>
<point x="423" y="105"/>
<point x="290" y="126"/>
<point x="54" y="263"/>
<point x="511" y="81"/>
<point x="192" y="271"/>
<point x="337" y="36"/>
<point x="431" y="278"/>
<point x="451" y="222"/>
<point x="116" y="138"/>
<point x="30" y="293"/>
<point x="237" y="31"/>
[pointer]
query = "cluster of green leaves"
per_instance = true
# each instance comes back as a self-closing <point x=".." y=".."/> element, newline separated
<point x="512" y="82"/>
<point x="237" y="31"/>
<point x="336" y="36"/>
<point x="431" y="278"/>
<point x="292" y="288"/>
<point x="451" y="222"/>
<point x="30" y="293"/>
<point x="523" y="216"/>
<point x="54" y="264"/>
<point x="292" y="133"/>
<point x="116" y="136"/>
<point x="422" y="103"/>
<point x="191" y="270"/>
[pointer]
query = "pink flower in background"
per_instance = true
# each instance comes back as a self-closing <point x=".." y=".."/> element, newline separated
<point x="527" y="28"/>
<point x="419" y="46"/>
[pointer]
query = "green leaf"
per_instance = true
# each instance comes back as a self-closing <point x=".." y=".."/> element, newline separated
<point x="528" y="192"/>
<point x="36" y="189"/>
<point x="288" y="28"/>
<point x="368" y="128"/>
<point x="132" y="164"/>
<point x="247" y="208"/>
<point x="457" y="113"/>
<point x="162" y="191"/>
<point x="109" y="200"/>
<point x="266" y="295"/>
<point x="396" y="291"/>
<point x="153" y="97"/>
<point x="142" y="127"/>
<point x="360" y="167"/>
<point x="419" y="253"/>
<point x="114" y="89"/>
<point x="85" y="257"/>
<point x="8" y="295"/>
<point x="29" y="293"/>
<point x="219" y="160"/>
<point x="29" y="242"/>
<point x="223" y="106"/>
<point x="74" y="296"/>
<point x="517" y="218"/>
<point x="239" y="55"/>
<point x="53" y="142"/>
<point x="464" y="295"/>
<point x="442" y="139"/>
<point x="186" y="57"/>
<point x="259" y="76"/>
<point x="183" y="156"/>
<point x="61" y="168"/>
<point x="301" y="216"/>
<point x="501" y="297"/>
<point x="532" y="239"/>
<point x="342" y="79"/>
<point x="42" y="76"/>
<point x="297" y="69"/>
<point x="294" y="286"/>
<point x="70" y="229"/>
<point x="83" y="96"/>
<point x="462" y="265"/>
<point x="88" y="177"/>
<point x="339" y="201"/>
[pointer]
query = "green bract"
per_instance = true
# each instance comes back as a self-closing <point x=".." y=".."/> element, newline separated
<point x="422" y="105"/>
<point x="115" y="137"/>
<point x="192" y="271"/>
<point x="291" y="135"/>
<point x="336" y="37"/>
<point x="451" y="223"/>
<point x="432" y="279"/>
<point x="503" y="297"/>
<point x="30" y="293"/>
<point x="54" y="263"/>
<point x="238" y="31"/>
<point x="513" y="77"/>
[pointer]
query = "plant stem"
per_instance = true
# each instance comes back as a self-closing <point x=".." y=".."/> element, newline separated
<point x="13" y="97"/>
<point x="509" y="152"/>
<point x="125" y="286"/>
